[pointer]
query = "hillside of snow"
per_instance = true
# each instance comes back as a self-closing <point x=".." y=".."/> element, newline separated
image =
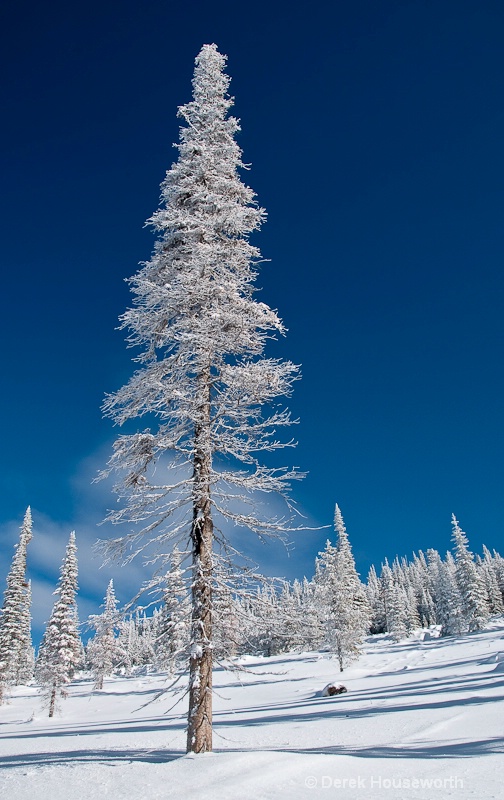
<point x="422" y="718"/>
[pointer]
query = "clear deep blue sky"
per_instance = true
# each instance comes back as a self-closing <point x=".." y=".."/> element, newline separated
<point x="375" y="132"/>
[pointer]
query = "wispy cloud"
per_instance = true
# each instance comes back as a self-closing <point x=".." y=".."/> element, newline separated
<point x="92" y="501"/>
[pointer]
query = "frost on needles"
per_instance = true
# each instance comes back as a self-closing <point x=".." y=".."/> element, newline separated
<point x="202" y="377"/>
<point x="16" y="651"/>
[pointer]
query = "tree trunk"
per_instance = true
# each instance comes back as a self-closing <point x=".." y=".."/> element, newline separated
<point x="199" y="726"/>
<point x="52" y="701"/>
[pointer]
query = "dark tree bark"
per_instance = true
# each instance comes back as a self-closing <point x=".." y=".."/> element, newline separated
<point x="199" y="729"/>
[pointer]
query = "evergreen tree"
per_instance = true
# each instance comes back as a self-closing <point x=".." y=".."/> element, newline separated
<point x="449" y="600"/>
<point x="374" y="592"/>
<point x="128" y="641"/>
<point x="227" y="631"/>
<point x="61" y="647"/>
<point x="433" y="569"/>
<point x="498" y="565"/>
<point x="104" y="650"/>
<point x="266" y="623"/>
<point x="489" y="576"/>
<point x="172" y="627"/>
<point x="474" y="608"/>
<point x="312" y="625"/>
<point x="145" y="638"/>
<point x="420" y="580"/>
<point x="16" y="651"/>
<point x="27" y="662"/>
<point x="413" y="619"/>
<point x="398" y="624"/>
<point x="347" y="609"/>
<point x="201" y="374"/>
<point x="291" y="617"/>
<point x="394" y="604"/>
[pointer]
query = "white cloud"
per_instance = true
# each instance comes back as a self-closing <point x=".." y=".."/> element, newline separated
<point x="92" y="501"/>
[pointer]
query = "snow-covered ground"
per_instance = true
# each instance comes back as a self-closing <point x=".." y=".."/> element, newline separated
<point x="421" y="719"/>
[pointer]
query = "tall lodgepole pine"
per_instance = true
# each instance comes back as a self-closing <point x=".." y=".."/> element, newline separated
<point x="201" y="374"/>
<point x="16" y="652"/>
<point x="61" y="648"/>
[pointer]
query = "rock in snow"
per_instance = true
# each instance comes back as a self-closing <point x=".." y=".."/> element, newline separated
<point x="334" y="688"/>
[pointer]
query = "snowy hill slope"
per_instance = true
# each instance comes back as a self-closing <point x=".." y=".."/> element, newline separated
<point x="422" y="719"/>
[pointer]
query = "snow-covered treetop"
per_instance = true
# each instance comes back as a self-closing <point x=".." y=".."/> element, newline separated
<point x="201" y="333"/>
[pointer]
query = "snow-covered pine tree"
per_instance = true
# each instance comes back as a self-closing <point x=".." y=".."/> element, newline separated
<point x="448" y="599"/>
<point x="348" y="614"/>
<point x="498" y="565"/>
<point x="374" y="592"/>
<point x="201" y="374"/>
<point x="61" y="647"/>
<point x="27" y="662"/>
<point x="488" y="574"/>
<point x="305" y="629"/>
<point x="394" y="604"/>
<point x="146" y="637"/>
<point x="128" y="637"/>
<point x="266" y="624"/>
<point x="137" y="639"/>
<point x="398" y="623"/>
<point x="172" y="626"/>
<point x="412" y="615"/>
<point x="475" y="611"/>
<point x="250" y="621"/>
<point x="312" y="629"/>
<point x="16" y="651"/>
<point x="291" y="618"/>
<point x="104" y="650"/>
<point x="433" y="568"/>
<point x="227" y="630"/>
<point x="420" y="580"/>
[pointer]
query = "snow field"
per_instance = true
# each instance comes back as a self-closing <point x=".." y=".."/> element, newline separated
<point x="422" y="719"/>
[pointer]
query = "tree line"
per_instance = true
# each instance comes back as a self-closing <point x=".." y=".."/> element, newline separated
<point x="332" y="612"/>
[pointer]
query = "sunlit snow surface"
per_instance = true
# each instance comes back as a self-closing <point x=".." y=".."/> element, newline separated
<point x="421" y="719"/>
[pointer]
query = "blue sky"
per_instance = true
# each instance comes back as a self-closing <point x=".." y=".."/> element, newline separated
<point x="375" y="136"/>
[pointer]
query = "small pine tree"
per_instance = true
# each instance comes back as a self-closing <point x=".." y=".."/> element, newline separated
<point x="16" y="651"/>
<point x="146" y="638"/>
<point x="312" y="630"/>
<point x="227" y="633"/>
<point x="474" y="607"/>
<point x="348" y="614"/>
<point x="498" y="565"/>
<point x="374" y="592"/>
<point x="27" y="662"/>
<point x="413" y="619"/>
<point x="291" y="618"/>
<point x="128" y="641"/>
<point x="489" y="576"/>
<point x="420" y="580"/>
<point x="172" y="625"/>
<point x="398" y="624"/>
<point x="265" y="622"/>
<point x="104" y="650"/>
<point x="61" y="647"/>
<point x="448" y="599"/>
<point x="394" y="604"/>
